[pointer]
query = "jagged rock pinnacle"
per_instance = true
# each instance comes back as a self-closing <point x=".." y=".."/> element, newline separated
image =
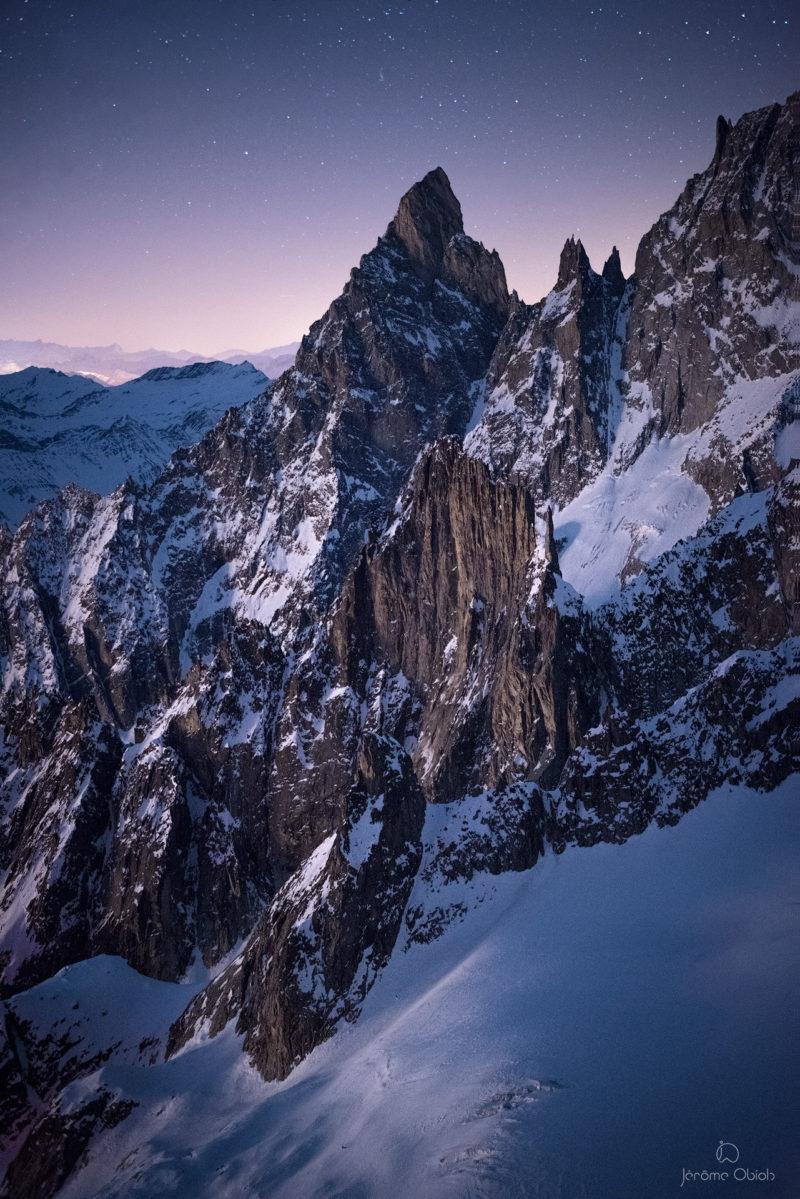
<point x="612" y="271"/>
<point x="723" y="129"/>
<point x="427" y="217"/>
<point x="550" y="547"/>
<point x="573" y="262"/>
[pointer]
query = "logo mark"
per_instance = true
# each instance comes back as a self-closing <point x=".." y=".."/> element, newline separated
<point x="727" y="1152"/>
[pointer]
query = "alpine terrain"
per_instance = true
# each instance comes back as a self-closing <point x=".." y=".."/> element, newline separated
<point x="60" y="429"/>
<point x="111" y="365"/>
<point x="341" y="752"/>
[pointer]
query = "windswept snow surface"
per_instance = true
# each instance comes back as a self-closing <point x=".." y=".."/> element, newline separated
<point x="641" y="506"/>
<point x="620" y="520"/>
<point x="589" y="1030"/>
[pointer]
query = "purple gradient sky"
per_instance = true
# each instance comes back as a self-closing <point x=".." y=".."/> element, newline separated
<point x="204" y="175"/>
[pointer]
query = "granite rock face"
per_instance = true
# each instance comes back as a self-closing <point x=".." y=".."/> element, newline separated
<point x="432" y="604"/>
<point x="602" y="367"/>
<point x="174" y="616"/>
<point x="715" y="285"/>
<point x="267" y="713"/>
<point x="552" y="387"/>
<point x="330" y="929"/>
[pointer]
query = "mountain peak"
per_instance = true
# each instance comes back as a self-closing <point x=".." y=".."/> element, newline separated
<point x="724" y="127"/>
<point x="428" y="216"/>
<point x="612" y="271"/>
<point x="573" y="262"/>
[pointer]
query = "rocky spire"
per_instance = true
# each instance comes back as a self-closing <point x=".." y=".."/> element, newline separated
<point x="550" y="547"/>
<point x="612" y="271"/>
<point x="573" y="262"/>
<point x="723" y="129"/>
<point x="428" y="216"/>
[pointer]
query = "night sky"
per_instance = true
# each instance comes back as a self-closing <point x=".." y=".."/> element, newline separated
<point x="204" y="175"/>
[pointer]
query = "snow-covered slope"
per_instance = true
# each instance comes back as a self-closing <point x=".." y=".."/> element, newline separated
<point x="591" y="1028"/>
<point x="636" y="510"/>
<point x="60" y="429"/>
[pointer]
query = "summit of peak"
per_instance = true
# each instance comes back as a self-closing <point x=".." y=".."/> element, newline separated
<point x="724" y="127"/>
<point x="612" y="270"/>
<point x="428" y="216"/>
<point x="574" y="261"/>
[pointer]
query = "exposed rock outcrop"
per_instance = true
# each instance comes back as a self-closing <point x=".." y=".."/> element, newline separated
<point x="551" y="390"/>
<point x="330" y="929"/>
<point x="152" y="607"/>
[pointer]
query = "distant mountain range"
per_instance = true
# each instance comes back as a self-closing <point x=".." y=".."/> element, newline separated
<point x="57" y="429"/>
<point x="113" y="365"/>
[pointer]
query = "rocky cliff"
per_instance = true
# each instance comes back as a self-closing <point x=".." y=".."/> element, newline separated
<point x="170" y="618"/>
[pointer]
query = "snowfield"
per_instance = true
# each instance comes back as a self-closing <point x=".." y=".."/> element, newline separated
<point x="590" y="1029"/>
<point x="632" y="513"/>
